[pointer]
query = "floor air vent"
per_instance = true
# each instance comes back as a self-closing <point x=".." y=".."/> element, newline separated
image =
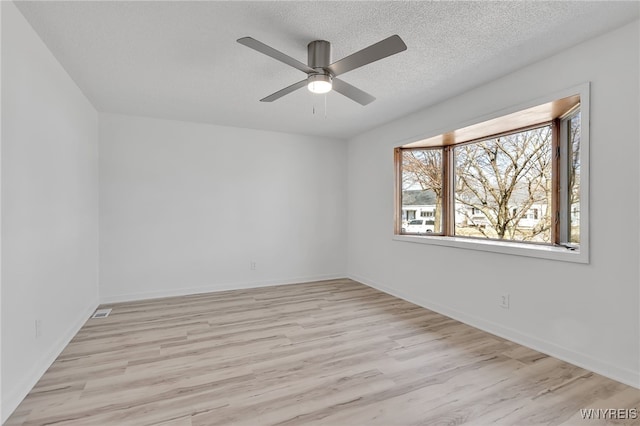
<point x="101" y="313"/>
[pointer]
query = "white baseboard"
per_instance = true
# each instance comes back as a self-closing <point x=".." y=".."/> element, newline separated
<point x="13" y="398"/>
<point x="623" y="375"/>
<point x="130" y="297"/>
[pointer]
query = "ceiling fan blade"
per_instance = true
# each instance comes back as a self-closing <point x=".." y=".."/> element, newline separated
<point x="352" y="92"/>
<point x="285" y="91"/>
<point x="275" y="54"/>
<point x="382" y="49"/>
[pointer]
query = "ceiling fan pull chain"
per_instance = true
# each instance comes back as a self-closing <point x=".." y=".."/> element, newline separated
<point x="325" y="105"/>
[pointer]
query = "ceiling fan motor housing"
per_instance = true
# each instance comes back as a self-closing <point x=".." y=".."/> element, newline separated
<point x="319" y="55"/>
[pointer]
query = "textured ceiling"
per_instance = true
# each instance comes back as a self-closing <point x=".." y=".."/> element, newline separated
<point x="180" y="60"/>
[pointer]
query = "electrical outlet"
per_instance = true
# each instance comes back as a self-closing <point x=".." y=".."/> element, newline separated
<point x="38" y="328"/>
<point x="252" y="265"/>
<point x="504" y="300"/>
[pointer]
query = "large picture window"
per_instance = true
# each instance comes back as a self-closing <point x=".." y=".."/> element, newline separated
<point x="514" y="179"/>
<point x="503" y="187"/>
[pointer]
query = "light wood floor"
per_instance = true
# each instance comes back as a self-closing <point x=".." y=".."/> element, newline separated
<point x="331" y="353"/>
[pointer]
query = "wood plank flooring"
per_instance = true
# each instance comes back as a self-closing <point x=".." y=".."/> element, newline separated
<point x="327" y="353"/>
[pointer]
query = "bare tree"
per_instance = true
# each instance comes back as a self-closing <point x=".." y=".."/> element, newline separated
<point x="503" y="178"/>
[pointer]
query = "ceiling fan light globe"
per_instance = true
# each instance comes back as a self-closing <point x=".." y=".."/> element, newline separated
<point x="319" y="87"/>
<point x="319" y="84"/>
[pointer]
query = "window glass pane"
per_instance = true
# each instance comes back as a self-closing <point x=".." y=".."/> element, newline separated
<point x="574" y="179"/>
<point x="503" y="187"/>
<point x="422" y="190"/>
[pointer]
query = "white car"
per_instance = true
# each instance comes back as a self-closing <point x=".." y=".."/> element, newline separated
<point x="420" y="226"/>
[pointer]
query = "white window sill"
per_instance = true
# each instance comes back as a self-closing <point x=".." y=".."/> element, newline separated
<point x="512" y="248"/>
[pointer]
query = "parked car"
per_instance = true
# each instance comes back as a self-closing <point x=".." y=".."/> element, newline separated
<point x="420" y="226"/>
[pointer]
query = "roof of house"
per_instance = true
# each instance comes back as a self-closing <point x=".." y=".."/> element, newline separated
<point x="422" y="197"/>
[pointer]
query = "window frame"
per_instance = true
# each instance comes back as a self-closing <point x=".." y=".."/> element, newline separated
<point x="564" y="226"/>
<point x="554" y="188"/>
<point x="399" y="162"/>
<point x="560" y="249"/>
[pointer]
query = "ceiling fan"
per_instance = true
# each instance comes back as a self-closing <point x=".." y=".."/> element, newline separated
<point x="321" y="73"/>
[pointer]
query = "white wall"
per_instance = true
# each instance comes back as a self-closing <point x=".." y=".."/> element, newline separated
<point x="586" y="314"/>
<point x="186" y="207"/>
<point x="49" y="207"/>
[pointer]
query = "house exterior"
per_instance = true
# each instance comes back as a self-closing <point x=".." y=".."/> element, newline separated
<point x="417" y="204"/>
<point x="472" y="216"/>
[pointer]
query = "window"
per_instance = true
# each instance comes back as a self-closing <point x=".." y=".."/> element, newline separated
<point x="513" y="179"/>
<point x="572" y="128"/>
<point x="499" y="185"/>
<point x="422" y="182"/>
